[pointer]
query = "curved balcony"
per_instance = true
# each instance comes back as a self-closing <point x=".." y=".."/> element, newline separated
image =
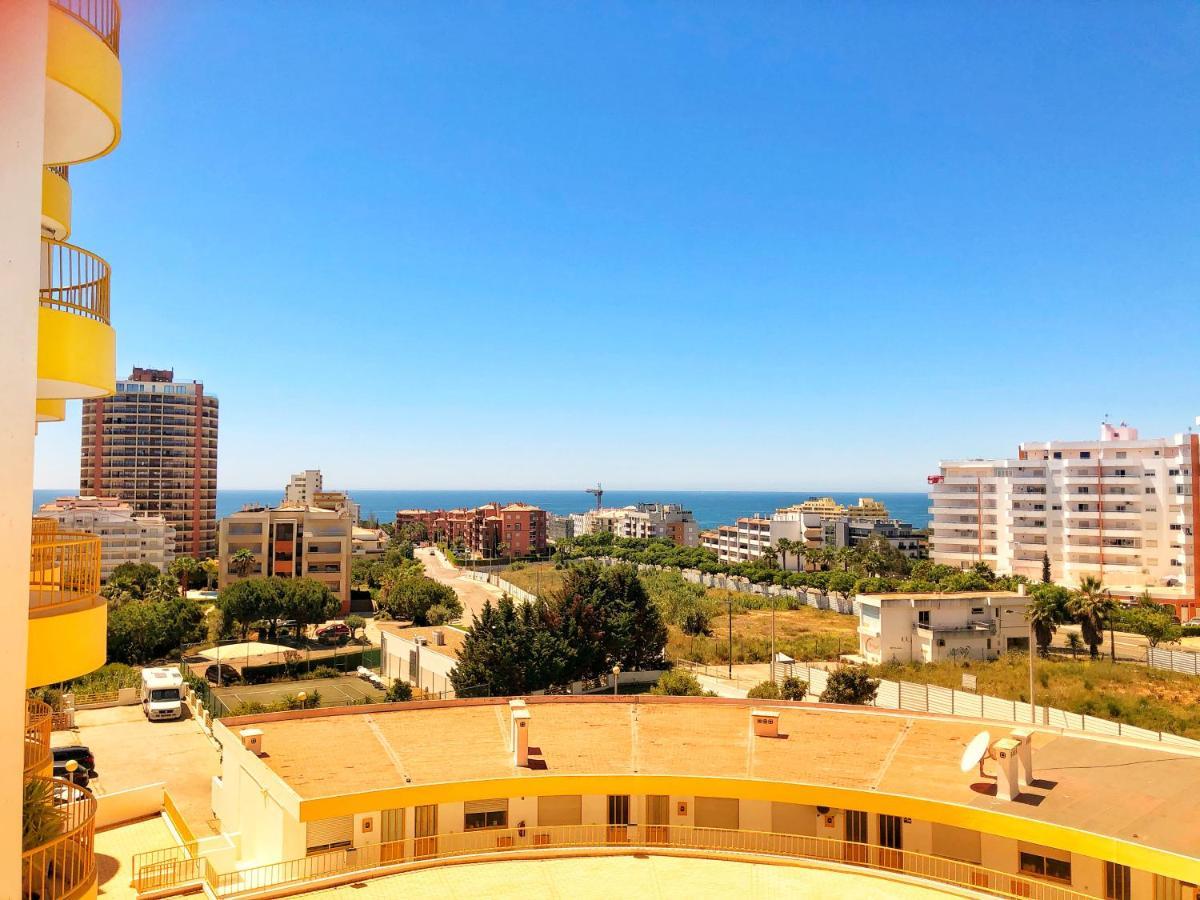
<point x="68" y="619"/>
<point x="63" y="868"/>
<point x="83" y="80"/>
<point x="38" y="716"/>
<point x="56" y="203"/>
<point x="76" y="344"/>
<point x="51" y="410"/>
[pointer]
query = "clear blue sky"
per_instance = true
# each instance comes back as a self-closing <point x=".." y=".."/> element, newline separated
<point x="673" y="245"/>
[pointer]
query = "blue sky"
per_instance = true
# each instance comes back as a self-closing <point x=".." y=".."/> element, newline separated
<point x="673" y="245"/>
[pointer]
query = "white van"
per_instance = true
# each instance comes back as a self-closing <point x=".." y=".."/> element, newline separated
<point x="162" y="693"/>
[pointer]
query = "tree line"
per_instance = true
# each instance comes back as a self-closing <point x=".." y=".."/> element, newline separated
<point x="1094" y="610"/>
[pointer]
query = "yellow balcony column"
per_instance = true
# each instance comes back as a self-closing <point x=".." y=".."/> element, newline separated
<point x="23" y="35"/>
<point x="68" y="618"/>
<point x="76" y="343"/>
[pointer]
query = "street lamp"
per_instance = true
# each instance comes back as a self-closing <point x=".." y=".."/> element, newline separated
<point x="616" y="677"/>
<point x="302" y="697"/>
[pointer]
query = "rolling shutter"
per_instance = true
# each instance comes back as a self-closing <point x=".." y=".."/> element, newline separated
<point x="486" y="806"/>
<point x="330" y="832"/>
<point x="561" y="809"/>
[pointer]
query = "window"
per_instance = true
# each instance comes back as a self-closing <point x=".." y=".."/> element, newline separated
<point x="1116" y="881"/>
<point x="1045" y="866"/>
<point x="1085" y="454"/>
<point x="1058" y="454"/>
<point x="923" y="617"/>
<point x="1150" y="490"/>
<point x="485" y="814"/>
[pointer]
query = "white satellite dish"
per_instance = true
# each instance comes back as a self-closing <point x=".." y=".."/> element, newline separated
<point x="976" y="750"/>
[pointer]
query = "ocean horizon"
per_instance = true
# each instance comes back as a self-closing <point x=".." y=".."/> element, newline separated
<point x="711" y="508"/>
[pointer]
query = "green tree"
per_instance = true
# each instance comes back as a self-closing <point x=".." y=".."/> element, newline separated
<point x="1047" y="610"/>
<point x="242" y="602"/>
<point x="765" y="690"/>
<point x="784" y="546"/>
<point x="399" y="692"/>
<point x="842" y="584"/>
<point x="307" y="601"/>
<point x="355" y="622"/>
<point x="162" y="588"/>
<point x="850" y="685"/>
<point x="793" y="688"/>
<point x="184" y="568"/>
<point x="1046" y="579"/>
<point x="211" y="569"/>
<point x="242" y="562"/>
<point x="1074" y="643"/>
<point x="677" y="683"/>
<point x="1154" y="623"/>
<point x="411" y="596"/>
<point x="637" y="635"/>
<point x="1092" y="607"/>
<point x="131" y="580"/>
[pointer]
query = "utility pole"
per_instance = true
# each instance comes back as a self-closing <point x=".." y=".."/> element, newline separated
<point x="773" y="681"/>
<point x="1032" y="699"/>
<point x="731" y="638"/>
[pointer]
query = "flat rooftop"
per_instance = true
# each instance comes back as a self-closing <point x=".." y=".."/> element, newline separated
<point x="454" y="637"/>
<point x="963" y="596"/>
<point x="1126" y="790"/>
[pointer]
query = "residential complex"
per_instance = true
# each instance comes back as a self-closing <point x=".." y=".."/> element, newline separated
<point x="307" y="488"/>
<point x="290" y="542"/>
<point x="60" y="105"/>
<point x="124" y="536"/>
<point x="1122" y="509"/>
<point x="643" y="520"/>
<point x="154" y="445"/>
<point x="934" y="627"/>
<point x="491" y="530"/>
<point x="815" y="523"/>
<point x="874" y="793"/>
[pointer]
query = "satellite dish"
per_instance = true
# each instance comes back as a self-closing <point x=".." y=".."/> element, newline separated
<point x="976" y="750"/>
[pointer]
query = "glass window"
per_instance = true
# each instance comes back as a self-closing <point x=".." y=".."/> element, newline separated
<point x="1116" y="881"/>
<point x="485" y="814"/>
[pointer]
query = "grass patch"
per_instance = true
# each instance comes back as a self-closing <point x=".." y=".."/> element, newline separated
<point x="541" y="579"/>
<point x="1120" y="692"/>
<point x="805" y="634"/>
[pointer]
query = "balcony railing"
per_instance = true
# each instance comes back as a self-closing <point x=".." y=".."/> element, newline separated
<point x="62" y="172"/>
<point x="64" y="567"/>
<point x="101" y="16"/>
<point x="74" y="280"/>
<point x="175" y="869"/>
<point x="38" y="718"/>
<point x="63" y="868"/>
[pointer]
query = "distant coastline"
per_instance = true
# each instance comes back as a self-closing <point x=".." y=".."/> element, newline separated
<point x="711" y="508"/>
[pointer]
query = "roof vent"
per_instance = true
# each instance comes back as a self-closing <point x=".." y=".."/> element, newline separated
<point x="766" y="722"/>
<point x="252" y="740"/>
<point x="439" y="637"/>
<point x="520" y="721"/>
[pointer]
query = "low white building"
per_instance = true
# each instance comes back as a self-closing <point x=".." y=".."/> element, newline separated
<point x="368" y="541"/>
<point x="642" y="520"/>
<point x="421" y="656"/>
<point x="124" y="536"/>
<point x="932" y="627"/>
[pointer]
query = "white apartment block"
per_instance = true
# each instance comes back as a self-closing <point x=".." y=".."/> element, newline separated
<point x="1121" y="508"/>
<point x="644" y="520"/>
<point x="124" y="536"/>
<point x="933" y="627"/>
<point x="303" y="487"/>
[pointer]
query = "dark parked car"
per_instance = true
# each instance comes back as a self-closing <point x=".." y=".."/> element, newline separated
<point x="85" y="761"/>
<point x="333" y="633"/>
<point x="220" y="673"/>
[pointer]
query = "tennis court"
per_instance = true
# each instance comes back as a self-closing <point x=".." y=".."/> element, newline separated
<point x="334" y="691"/>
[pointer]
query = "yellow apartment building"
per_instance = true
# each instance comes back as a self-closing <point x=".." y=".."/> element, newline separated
<point x="60" y="105"/>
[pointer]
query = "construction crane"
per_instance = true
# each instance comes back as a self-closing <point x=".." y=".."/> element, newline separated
<point x="599" y="493"/>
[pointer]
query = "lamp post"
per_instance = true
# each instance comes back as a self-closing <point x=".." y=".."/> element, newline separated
<point x="1032" y="700"/>
<point x="773" y="681"/>
<point x="730" y="637"/>
<point x="616" y="678"/>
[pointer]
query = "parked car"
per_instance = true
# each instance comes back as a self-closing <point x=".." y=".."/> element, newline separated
<point x="333" y="633"/>
<point x="82" y="756"/>
<point x="220" y="673"/>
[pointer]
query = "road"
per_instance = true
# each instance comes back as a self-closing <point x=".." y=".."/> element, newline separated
<point x="472" y="594"/>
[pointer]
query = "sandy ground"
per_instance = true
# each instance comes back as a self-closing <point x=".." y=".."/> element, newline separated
<point x="603" y="877"/>
<point x="132" y="751"/>
<point x="472" y="594"/>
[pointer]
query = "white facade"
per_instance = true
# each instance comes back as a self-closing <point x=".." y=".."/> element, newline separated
<point x="749" y="537"/>
<point x="124" y="537"/>
<point x="933" y="627"/>
<point x="1120" y="509"/>
<point x="303" y="487"/>
<point x="644" y="520"/>
<point x="423" y="656"/>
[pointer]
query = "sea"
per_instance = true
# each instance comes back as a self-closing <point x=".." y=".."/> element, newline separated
<point x="711" y="508"/>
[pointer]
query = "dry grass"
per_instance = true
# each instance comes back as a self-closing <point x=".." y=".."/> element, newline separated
<point x="1121" y="692"/>
<point x="537" y="578"/>
<point x="805" y="634"/>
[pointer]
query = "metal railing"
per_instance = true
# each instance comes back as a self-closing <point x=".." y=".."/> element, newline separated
<point x="65" y="867"/>
<point x="43" y="526"/>
<point x="38" y="718"/>
<point x="157" y="873"/>
<point x="62" y="171"/>
<point x="64" y="567"/>
<point x="74" y="280"/>
<point x="101" y="16"/>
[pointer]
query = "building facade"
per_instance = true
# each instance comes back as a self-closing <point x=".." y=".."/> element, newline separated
<point x="423" y="657"/>
<point x="644" y="520"/>
<point x="1122" y="509"/>
<point x="154" y="445"/>
<point x="289" y="542"/>
<point x="302" y="487"/>
<point x="930" y="628"/>
<point x="124" y="536"/>
<point x="491" y="530"/>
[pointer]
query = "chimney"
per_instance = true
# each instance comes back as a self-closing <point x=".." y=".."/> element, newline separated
<point x="513" y="706"/>
<point x="766" y="722"/>
<point x="252" y="740"/>
<point x="1024" y="739"/>
<point x="521" y="736"/>
<point x="439" y="638"/>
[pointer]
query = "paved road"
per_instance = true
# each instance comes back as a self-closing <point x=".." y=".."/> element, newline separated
<point x="132" y="751"/>
<point x="472" y="594"/>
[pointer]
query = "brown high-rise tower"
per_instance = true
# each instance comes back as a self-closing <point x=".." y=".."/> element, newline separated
<point x="154" y="445"/>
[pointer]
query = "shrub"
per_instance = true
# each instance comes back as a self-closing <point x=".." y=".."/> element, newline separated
<point x="850" y="685"/>
<point x="399" y="692"/>
<point x="765" y="690"/>
<point x="793" y="688"/>
<point x="676" y="683"/>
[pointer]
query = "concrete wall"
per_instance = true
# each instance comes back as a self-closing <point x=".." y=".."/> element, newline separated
<point x="128" y="805"/>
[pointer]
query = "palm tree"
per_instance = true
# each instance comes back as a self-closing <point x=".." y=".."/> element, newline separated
<point x="1045" y="615"/>
<point x="211" y="569"/>
<point x="769" y="555"/>
<point x="242" y="562"/>
<point x="844" y="556"/>
<point x="162" y="589"/>
<point x="1074" y="643"/>
<point x="784" y="546"/>
<point x="183" y="568"/>
<point x="1092" y="607"/>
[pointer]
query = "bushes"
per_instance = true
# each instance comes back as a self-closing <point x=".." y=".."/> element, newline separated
<point x="792" y="689"/>
<point x="399" y="692"/>
<point x="765" y="690"/>
<point x="254" y="708"/>
<point x="677" y="683"/>
<point x="295" y="670"/>
<point x="111" y="677"/>
<point x="850" y="685"/>
<point x="414" y="597"/>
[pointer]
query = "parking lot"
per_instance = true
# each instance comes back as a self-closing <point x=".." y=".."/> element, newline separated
<point x="176" y="753"/>
<point x="339" y="691"/>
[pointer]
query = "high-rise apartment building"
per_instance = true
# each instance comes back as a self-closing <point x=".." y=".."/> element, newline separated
<point x="303" y="486"/>
<point x="124" y="536"/>
<point x="1122" y="508"/>
<point x="154" y="445"/>
<point x="289" y="542"/>
<point x="644" y="520"/>
<point x="60" y="105"/>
